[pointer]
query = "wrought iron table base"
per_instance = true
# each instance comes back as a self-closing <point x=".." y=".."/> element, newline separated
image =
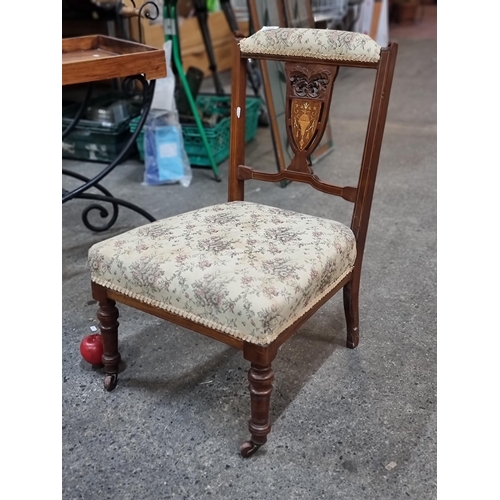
<point x="81" y="192"/>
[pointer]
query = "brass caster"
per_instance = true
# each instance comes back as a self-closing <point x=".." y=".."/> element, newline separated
<point x="110" y="381"/>
<point x="247" y="448"/>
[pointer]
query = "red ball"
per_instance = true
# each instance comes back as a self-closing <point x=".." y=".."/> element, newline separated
<point x="91" y="349"/>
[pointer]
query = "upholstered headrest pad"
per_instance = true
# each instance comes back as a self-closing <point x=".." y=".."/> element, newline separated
<point x="323" y="44"/>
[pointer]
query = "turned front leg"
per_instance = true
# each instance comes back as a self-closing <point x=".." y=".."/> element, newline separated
<point x="108" y="323"/>
<point x="261" y="379"/>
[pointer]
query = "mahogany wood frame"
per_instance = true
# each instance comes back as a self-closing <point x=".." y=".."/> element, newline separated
<point x="313" y="73"/>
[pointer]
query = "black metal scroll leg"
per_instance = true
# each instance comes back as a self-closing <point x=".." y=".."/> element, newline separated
<point x="79" y="113"/>
<point x="81" y="191"/>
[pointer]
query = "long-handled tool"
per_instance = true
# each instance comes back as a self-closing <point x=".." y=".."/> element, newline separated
<point x="171" y="33"/>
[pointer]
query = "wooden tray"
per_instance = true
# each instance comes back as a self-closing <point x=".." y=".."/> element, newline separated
<point x="98" y="57"/>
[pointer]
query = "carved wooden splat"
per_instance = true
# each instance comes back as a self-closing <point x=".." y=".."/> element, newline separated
<point x="308" y="94"/>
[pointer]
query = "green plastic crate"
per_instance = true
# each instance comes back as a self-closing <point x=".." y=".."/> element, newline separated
<point x="93" y="145"/>
<point x="92" y="140"/>
<point x="217" y="136"/>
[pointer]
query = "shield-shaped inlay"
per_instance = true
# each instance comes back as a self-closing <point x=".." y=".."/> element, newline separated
<point x="305" y="116"/>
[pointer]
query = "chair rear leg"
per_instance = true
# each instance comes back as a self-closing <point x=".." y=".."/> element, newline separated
<point x="351" y="308"/>
<point x="261" y="379"/>
<point x="108" y="323"/>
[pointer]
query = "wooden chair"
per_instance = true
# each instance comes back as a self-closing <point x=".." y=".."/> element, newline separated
<point x="247" y="274"/>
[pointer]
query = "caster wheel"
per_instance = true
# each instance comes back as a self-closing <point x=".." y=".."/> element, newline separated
<point x="110" y="381"/>
<point x="247" y="449"/>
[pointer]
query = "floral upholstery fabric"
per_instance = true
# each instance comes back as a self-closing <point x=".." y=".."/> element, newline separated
<point x="324" y="44"/>
<point x="245" y="269"/>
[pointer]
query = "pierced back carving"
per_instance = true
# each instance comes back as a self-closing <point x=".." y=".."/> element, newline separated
<point x="308" y="98"/>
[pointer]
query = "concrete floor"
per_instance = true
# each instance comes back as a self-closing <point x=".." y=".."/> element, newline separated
<point x="347" y="424"/>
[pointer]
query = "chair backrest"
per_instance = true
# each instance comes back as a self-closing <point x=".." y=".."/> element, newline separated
<point x="312" y="59"/>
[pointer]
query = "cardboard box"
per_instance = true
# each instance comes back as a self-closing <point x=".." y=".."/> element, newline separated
<point x="193" y="51"/>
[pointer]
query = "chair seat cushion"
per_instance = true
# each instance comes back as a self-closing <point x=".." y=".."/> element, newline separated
<point x="332" y="45"/>
<point x="244" y="269"/>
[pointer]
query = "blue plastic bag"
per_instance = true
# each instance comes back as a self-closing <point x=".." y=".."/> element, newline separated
<point x="165" y="159"/>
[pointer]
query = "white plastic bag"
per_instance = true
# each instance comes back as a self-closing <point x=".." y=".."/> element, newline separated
<point x="163" y="97"/>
